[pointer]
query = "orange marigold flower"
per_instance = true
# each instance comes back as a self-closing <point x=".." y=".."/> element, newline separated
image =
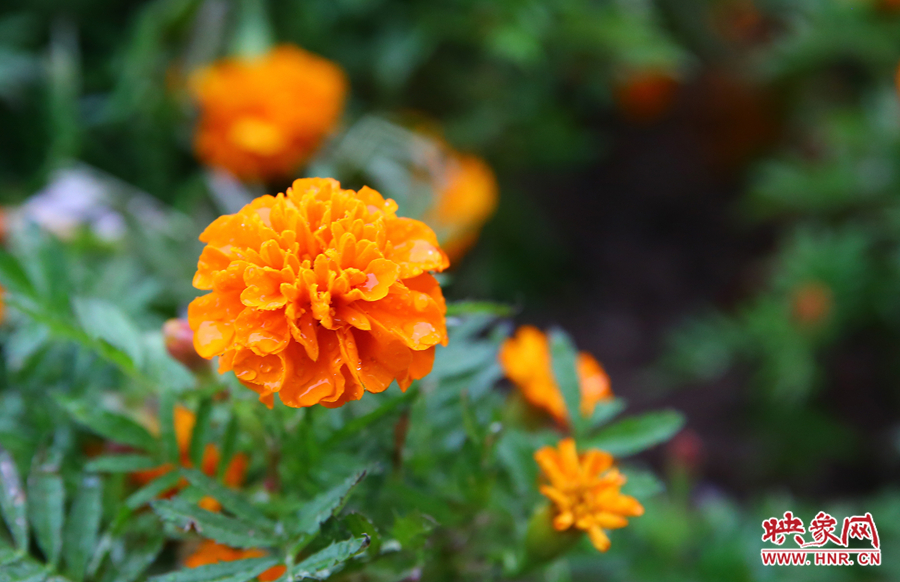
<point x="262" y="117"/>
<point x="184" y="421"/>
<point x="525" y="358"/>
<point x="210" y="552"/>
<point x="319" y="294"/>
<point x="466" y="197"/>
<point x="585" y="491"/>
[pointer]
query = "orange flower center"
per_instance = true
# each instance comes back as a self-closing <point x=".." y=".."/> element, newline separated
<point x="257" y="136"/>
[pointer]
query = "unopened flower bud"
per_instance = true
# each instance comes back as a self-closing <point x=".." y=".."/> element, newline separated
<point x="543" y="542"/>
<point x="179" y="340"/>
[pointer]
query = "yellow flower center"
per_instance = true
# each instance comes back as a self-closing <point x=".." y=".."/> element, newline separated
<point x="257" y="136"/>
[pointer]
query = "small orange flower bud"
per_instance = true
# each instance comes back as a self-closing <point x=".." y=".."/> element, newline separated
<point x="646" y="96"/>
<point x="179" y="340"/>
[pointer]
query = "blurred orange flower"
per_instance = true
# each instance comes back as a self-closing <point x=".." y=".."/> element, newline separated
<point x="319" y="294"/>
<point x="585" y="491"/>
<point x="184" y="426"/>
<point x="262" y="117"/>
<point x="811" y="303"/>
<point x="525" y="358"/>
<point x="210" y="552"/>
<point x="466" y="198"/>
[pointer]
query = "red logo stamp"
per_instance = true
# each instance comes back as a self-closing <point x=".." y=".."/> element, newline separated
<point x="826" y="546"/>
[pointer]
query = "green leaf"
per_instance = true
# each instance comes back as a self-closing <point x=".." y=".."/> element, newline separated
<point x="638" y="433"/>
<point x="323" y="564"/>
<point x="13" y="277"/>
<point x="23" y="570"/>
<point x="237" y="571"/>
<point x="137" y="560"/>
<point x="456" y="308"/>
<point x="152" y="490"/>
<point x="167" y="426"/>
<point x="229" y="499"/>
<point x="229" y="444"/>
<point x="104" y="321"/>
<point x="412" y="530"/>
<point x="120" y="463"/>
<point x="12" y="500"/>
<point x="359" y="525"/>
<point x="605" y="411"/>
<point x="83" y="525"/>
<point x="642" y="484"/>
<point x="565" y="372"/>
<point x="225" y="530"/>
<point x="357" y="424"/>
<point x="115" y="427"/>
<point x="323" y="506"/>
<point x="46" y="501"/>
<point x="200" y="434"/>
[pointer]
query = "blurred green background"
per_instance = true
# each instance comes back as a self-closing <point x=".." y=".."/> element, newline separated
<point x="706" y="194"/>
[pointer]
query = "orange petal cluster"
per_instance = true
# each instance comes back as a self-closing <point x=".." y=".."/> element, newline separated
<point x="585" y="491"/>
<point x="466" y="197"/>
<point x="184" y="421"/>
<point x="210" y="552"/>
<point x="262" y="117"/>
<point x="319" y="294"/>
<point x="525" y="358"/>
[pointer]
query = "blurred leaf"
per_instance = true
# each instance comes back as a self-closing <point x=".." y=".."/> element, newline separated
<point x="82" y="525"/>
<point x="23" y="569"/>
<point x="138" y="559"/>
<point x="12" y="500"/>
<point x="13" y="277"/>
<point x="104" y="321"/>
<point x="638" y="433"/>
<point x="167" y="426"/>
<point x="412" y="529"/>
<point x="457" y="308"/>
<point x="225" y="530"/>
<point x="120" y="464"/>
<point x="325" y="505"/>
<point x="237" y="571"/>
<point x="323" y="564"/>
<point x="360" y="526"/>
<point x="153" y="490"/>
<point x="46" y="501"/>
<point x="230" y="500"/>
<point x="565" y="372"/>
<point x="115" y="427"/>
<point x="357" y="424"/>
<point x="642" y="484"/>
<point x="605" y="411"/>
<point x="200" y="434"/>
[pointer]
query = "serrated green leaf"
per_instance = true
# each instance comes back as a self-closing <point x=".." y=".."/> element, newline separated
<point x="638" y="433"/>
<point x="200" y="434"/>
<point x="360" y="525"/>
<point x="120" y="463"/>
<point x="12" y="500"/>
<point x="324" y="563"/>
<point x="152" y="490"/>
<point x="225" y="530"/>
<point x="83" y="525"/>
<point x="115" y="427"/>
<point x="230" y="500"/>
<point x="323" y="506"/>
<point x="565" y="372"/>
<point x="104" y="321"/>
<point x="237" y="571"/>
<point x="412" y="529"/>
<point x="46" y="502"/>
